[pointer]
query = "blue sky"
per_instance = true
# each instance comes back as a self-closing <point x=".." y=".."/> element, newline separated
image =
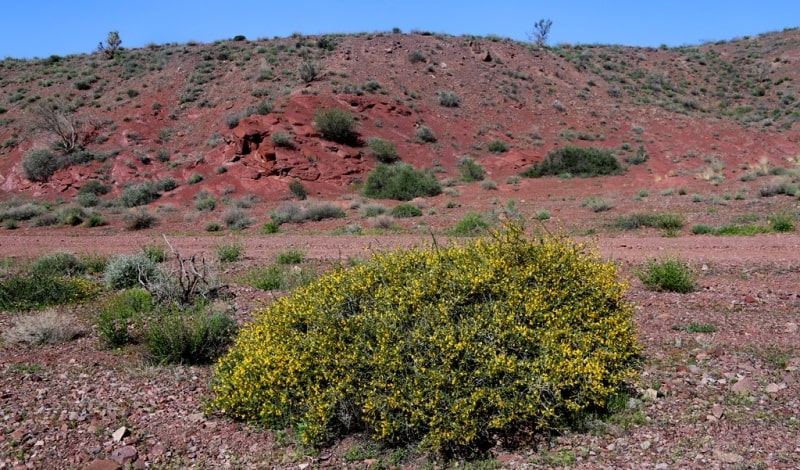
<point x="39" y="28"/>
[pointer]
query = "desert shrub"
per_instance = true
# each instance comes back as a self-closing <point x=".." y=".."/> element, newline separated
<point x="60" y="263"/>
<point x="70" y="215"/>
<point x="190" y="336"/>
<point x="40" y="164"/>
<point x="22" y="212"/>
<point x="336" y="125"/>
<point x="115" y="315"/>
<point x="308" y="71"/>
<point x="323" y="210"/>
<point x="282" y="139"/>
<point x="213" y="227"/>
<point x="236" y="219"/>
<point x="229" y="252"/>
<point x="232" y="120"/>
<point x="139" y="194"/>
<point x="290" y="257"/>
<point x="469" y="170"/>
<point x="47" y="327"/>
<point x="664" y="221"/>
<point x="596" y="204"/>
<point x="156" y="252"/>
<point x="298" y="190"/>
<point x="542" y="215"/>
<point x="270" y="227"/>
<point x="194" y="178"/>
<point x="381" y="221"/>
<point x="165" y="184"/>
<point x="399" y="181"/>
<point x="87" y="200"/>
<point x="405" y="210"/>
<point x="382" y="150"/>
<point x="94" y="187"/>
<point x="287" y="212"/>
<point x="639" y="157"/>
<point x="448" y="99"/>
<point x="125" y="271"/>
<point x="488" y="185"/>
<point x="451" y="347"/>
<point x="25" y="291"/>
<point x="667" y="274"/>
<point x="162" y="155"/>
<point x="139" y="219"/>
<point x="497" y="146"/>
<point x="425" y="134"/>
<point x="416" y="56"/>
<point x="372" y="209"/>
<point x="578" y="161"/>
<point x="782" y="222"/>
<point x="280" y="278"/>
<point x="205" y="204"/>
<point x="472" y="224"/>
<point x="702" y="229"/>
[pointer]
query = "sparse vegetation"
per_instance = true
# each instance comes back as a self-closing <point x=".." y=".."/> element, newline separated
<point x="382" y="150"/>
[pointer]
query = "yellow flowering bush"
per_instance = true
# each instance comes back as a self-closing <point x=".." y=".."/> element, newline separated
<point x="445" y="346"/>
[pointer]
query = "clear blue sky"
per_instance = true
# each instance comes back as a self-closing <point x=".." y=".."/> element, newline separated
<point x="39" y="28"/>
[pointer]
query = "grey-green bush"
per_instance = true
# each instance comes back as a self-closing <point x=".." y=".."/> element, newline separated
<point x="125" y="271"/>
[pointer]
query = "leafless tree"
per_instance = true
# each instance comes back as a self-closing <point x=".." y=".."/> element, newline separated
<point x="541" y="29"/>
<point x="52" y="118"/>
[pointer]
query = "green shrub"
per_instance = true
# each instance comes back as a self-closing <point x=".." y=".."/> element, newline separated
<point x="194" y="178"/>
<point x="497" y="146"/>
<point x="323" y="210"/>
<point x="139" y="194"/>
<point x="416" y="56"/>
<point x="372" y="210"/>
<point x="236" y="219"/>
<point x="282" y="139"/>
<point x="162" y="155"/>
<point x="336" y="125"/>
<point x="191" y="336"/>
<point x="94" y="187"/>
<point x="40" y="164"/>
<point x="266" y="278"/>
<point x="87" y="200"/>
<point x="213" y="227"/>
<point x="115" y="315"/>
<point x="165" y="184"/>
<point x="451" y="347"/>
<point x="448" y="99"/>
<point x="471" y="225"/>
<point x="72" y="216"/>
<point x="229" y="252"/>
<point x="25" y="291"/>
<point x="578" y="161"/>
<point x="269" y="228"/>
<point x="298" y="190"/>
<point x="59" y="263"/>
<point x="405" y="210"/>
<point x="596" y="204"/>
<point x="399" y="181"/>
<point x="542" y="215"/>
<point x="22" y="212"/>
<point x="425" y="134"/>
<point x="206" y="204"/>
<point x="667" y="274"/>
<point x="156" y="252"/>
<point x="664" y="221"/>
<point x="125" y="271"/>
<point x="470" y="171"/>
<point x="309" y="71"/>
<point x="782" y="222"/>
<point x="382" y="150"/>
<point x="702" y="229"/>
<point x="139" y="219"/>
<point x="639" y="157"/>
<point x="290" y="257"/>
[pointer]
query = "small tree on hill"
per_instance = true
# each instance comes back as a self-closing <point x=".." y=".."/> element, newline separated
<point x="51" y="118"/>
<point x="541" y="29"/>
<point x="112" y="44"/>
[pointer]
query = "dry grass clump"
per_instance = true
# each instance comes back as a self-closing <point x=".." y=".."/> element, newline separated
<point x="46" y="327"/>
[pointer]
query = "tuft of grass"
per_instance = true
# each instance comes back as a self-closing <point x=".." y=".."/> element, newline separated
<point x="336" y="125"/>
<point x="596" y="204"/>
<point x="667" y="274"/>
<point x="696" y="328"/>
<point x="470" y="170"/>
<point x="229" y="252"/>
<point x="471" y="225"/>
<point x="290" y="257"/>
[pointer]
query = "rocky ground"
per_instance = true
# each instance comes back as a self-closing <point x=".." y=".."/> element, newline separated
<point x="729" y="398"/>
